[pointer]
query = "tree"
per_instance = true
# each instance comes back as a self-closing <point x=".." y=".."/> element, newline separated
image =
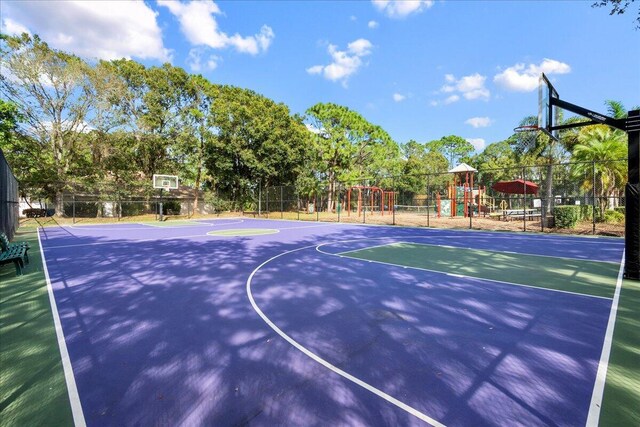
<point x="419" y="162"/>
<point x="196" y="133"/>
<point x="350" y="147"/>
<point x="600" y="158"/>
<point x="618" y="7"/>
<point x="52" y="91"/>
<point x="257" y="141"/>
<point x="497" y="162"/>
<point x="10" y="117"/>
<point x="453" y="147"/>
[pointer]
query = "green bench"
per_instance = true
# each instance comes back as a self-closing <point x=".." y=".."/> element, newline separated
<point x="16" y="253"/>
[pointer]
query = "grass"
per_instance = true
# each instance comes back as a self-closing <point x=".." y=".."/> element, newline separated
<point x="32" y="386"/>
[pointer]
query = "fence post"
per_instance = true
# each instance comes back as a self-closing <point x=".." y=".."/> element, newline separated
<point x="524" y="207"/>
<point x="392" y="204"/>
<point x="339" y="202"/>
<point x="281" y="202"/>
<point x="259" y="198"/>
<point x="428" y="202"/>
<point x="73" y="207"/>
<point x="593" y="193"/>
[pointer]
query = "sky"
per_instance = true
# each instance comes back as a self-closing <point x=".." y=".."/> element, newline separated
<point x="419" y="69"/>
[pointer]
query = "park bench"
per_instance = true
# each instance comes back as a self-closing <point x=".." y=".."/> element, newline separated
<point x="16" y="253"/>
<point x="34" y="213"/>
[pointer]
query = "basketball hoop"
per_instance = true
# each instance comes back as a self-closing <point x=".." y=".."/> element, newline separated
<point x="527" y="134"/>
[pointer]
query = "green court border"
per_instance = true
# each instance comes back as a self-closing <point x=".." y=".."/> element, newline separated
<point x="33" y="389"/>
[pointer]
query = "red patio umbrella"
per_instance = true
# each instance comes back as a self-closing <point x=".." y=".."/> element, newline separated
<point x="518" y="186"/>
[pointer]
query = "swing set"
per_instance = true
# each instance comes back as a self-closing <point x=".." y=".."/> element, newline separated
<point x="378" y="197"/>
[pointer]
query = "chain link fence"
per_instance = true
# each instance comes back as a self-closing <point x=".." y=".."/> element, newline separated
<point x="9" y="210"/>
<point x="582" y="198"/>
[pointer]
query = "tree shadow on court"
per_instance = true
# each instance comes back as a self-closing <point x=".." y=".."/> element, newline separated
<point x="162" y="332"/>
<point x="460" y="350"/>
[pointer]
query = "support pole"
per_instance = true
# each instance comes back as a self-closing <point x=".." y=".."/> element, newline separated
<point x="632" y="200"/>
<point x="593" y="195"/>
<point x="524" y="207"/>
<point x="259" y="198"/>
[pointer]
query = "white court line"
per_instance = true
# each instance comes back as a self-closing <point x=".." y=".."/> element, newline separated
<point x="218" y="224"/>
<point x="365" y="248"/>
<point x="312" y="226"/>
<point x="456" y="247"/>
<point x="115" y="226"/>
<point x="72" y="389"/>
<point x="322" y="361"/>
<point x="454" y="274"/>
<point x="601" y="377"/>
<point x="122" y="226"/>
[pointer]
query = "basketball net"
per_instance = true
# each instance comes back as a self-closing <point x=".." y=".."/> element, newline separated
<point x="527" y="134"/>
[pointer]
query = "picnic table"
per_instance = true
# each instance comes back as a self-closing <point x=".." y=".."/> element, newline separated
<point x="509" y="214"/>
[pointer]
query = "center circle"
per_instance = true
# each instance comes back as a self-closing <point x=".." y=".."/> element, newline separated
<point x="236" y="232"/>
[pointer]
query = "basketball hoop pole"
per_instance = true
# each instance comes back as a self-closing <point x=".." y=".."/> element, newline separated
<point x="632" y="199"/>
<point x="548" y="99"/>
<point x="161" y="191"/>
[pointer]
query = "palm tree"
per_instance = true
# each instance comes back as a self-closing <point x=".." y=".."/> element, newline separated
<point x="599" y="156"/>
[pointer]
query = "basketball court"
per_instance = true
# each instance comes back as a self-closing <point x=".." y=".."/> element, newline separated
<point x="235" y="321"/>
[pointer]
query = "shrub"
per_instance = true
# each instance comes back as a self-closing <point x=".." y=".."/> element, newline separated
<point x="613" y="217"/>
<point x="132" y="208"/>
<point x="586" y="213"/>
<point x="212" y="200"/>
<point x="566" y="216"/>
<point x="171" y="207"/>
<point x="620" y="209"/>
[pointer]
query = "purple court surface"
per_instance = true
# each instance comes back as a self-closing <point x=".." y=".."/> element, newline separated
<point x="173" y="326"/>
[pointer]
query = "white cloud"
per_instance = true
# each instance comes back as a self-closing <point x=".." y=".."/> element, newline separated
<point x="470" y="87"/>
<point x="373" y="25"/>
<point x="197" y="63"/>
<point x="478" y="143"/>
<point x="13" y="28"/>
<point x="398" y="97"/>
<point x="198" y="24"/>
<point x="316" y="69"/>
<point x="344" y="62"/>
<point x="104" y="29"/>
<point x="479" y="122"/>
<point x="524" y="78"/>
<point x="401" y="8"/>
<point x="452" y="99"/>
